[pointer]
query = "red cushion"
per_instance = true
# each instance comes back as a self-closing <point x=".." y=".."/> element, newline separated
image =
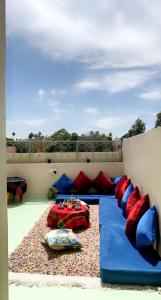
<point x="118" y="186"/>
<point x="136" y="213"/>
<point x="122" y="191"/>
<point x="82" y="182"/>
<point x="133" y="198"/>
<point x="103" y="183"/>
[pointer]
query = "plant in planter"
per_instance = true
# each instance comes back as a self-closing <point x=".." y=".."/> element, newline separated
<point x="51" y="193"/>
<point x="49" y="160"/>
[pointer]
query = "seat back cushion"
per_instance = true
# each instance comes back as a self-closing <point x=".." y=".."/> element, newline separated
<point x="136" y="213"/>
<point x="82" y="182"/>
<point x="125" y="198"/>
<point x="103" y="183"/>
<point x="119" y="185"/>
<point x="147" y="229"/>
<point x="122" y="191"/>
<point x="116" y="180"/>
<point x="133" y="198"/>
<point x="63" y="184"/>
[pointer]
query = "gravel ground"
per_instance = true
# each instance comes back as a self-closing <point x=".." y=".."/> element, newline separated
<point x="33" y="257"/>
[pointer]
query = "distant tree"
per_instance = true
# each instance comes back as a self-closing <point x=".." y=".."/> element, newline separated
<point x="158" y="120"/>
<point x="13" y="134"/>
<point x="31" y="135"/>
<point x="61" y="135"/>
<point x="137" y="128"/>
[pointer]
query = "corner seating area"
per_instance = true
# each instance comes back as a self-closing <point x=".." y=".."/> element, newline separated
<point x="120" y="260"/>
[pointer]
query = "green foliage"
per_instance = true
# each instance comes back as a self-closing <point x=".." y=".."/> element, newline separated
<point x="158" y="120"/>
<point x="51" y="193"/>
<point x="137" y="128"/>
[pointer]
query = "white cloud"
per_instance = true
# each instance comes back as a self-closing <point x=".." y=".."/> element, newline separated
<point x="103" y="33"/>
<point x="111" y="122"/>
<point x="153" y="94"/>
<point x="33" y="123"/>
<point x="116" y="81"/>
<point x="41" y="93"/>
<point x="91" y="110"/>
<point x="58" y="112"/>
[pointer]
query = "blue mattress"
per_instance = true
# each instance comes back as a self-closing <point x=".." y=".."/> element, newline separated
<point x="89" y="199"/>
<point x="109" y="212"/>
<point x="121" y="262"/>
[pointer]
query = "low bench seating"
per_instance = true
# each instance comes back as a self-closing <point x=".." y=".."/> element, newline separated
<point x="120" y="261"/>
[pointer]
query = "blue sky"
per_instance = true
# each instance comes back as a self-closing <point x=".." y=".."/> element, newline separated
<point x="82" y="65"/>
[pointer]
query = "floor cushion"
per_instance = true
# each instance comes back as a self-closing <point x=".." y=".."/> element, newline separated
<point x="121" y="262"/>
<point x="122" y="191"/>
<point x="136" y="213"/>
<point x="62" y="239"/>
<point x="82" y="182"/>
<point x="103" y="184"/>
<point x="125" y="198"/>
<point x="63" y="184"/>
<point x="133" y="198"/>
<point x="119" y="185"/>
<point x="147" y="229"/>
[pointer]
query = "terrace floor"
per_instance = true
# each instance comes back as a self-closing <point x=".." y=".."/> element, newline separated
<point x="21" y="218"/>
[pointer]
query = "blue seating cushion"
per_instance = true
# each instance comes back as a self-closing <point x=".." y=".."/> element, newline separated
<point x="116" y="180"/>
<point x="63" y="184"/>
<point x="109" y="212"/>
<point x="147" y="229"/>
<point x="125" y="198"/>
<point x="121" y="262"/>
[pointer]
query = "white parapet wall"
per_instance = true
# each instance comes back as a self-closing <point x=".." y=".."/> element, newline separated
<point x="39" y="175"/>
<point x="142" y="163"/>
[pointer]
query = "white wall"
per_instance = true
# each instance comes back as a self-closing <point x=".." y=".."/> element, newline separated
<point x="39" y="179"/>
<point x="142" y="163"/>
<point x="3" y="202"/>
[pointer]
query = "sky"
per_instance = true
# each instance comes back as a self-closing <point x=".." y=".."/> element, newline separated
<point x="82" y="65"/>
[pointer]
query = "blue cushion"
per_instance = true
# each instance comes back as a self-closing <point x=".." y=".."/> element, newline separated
<point x="121" y="262"/>
<point x="63" y="184"/>
<point x="109" y="212"/>
<point x="116" y="180"/>
<point x="89" y="199"/>
<point x="125" y="198"/>
<point x="147" y="229"/>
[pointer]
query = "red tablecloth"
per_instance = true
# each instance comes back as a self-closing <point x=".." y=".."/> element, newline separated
<point x="65" y="218"/>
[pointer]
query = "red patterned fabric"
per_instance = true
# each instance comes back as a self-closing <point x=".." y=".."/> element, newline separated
<point x="119" y="185"/>
<point x="136" y="213"/>
<point x="103" y="184"/>
<point x="65" y="218"/>
<point x="17" y="186"/>
<point x="133" y="198"/>
<point x="122" y="191"/>
<point x="82" y="182"/>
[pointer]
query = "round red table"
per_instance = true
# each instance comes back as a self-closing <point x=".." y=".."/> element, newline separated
<point x="65" y="218"/>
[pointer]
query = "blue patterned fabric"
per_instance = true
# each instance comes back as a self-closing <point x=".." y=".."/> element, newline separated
<point x="147" y="229"/>
<point x="63" y="184"/>
<point x="125" y="198"/>
<point x="62" y="239"/>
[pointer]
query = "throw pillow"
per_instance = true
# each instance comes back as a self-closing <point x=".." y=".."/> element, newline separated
<point x="133" y="198"/>
<point x="119" y="185"/>
<point x="103" y="184"/>
<point x="147" y="229"/>
<point x="116" y="180"/>
<point x="62" y="239"/>
<point x="136" y="213"/>
<point x="125" y="198"/>
<point x="122" y="191"/>
<point x="63" y="184"/>
<point x="82" y="182"/>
